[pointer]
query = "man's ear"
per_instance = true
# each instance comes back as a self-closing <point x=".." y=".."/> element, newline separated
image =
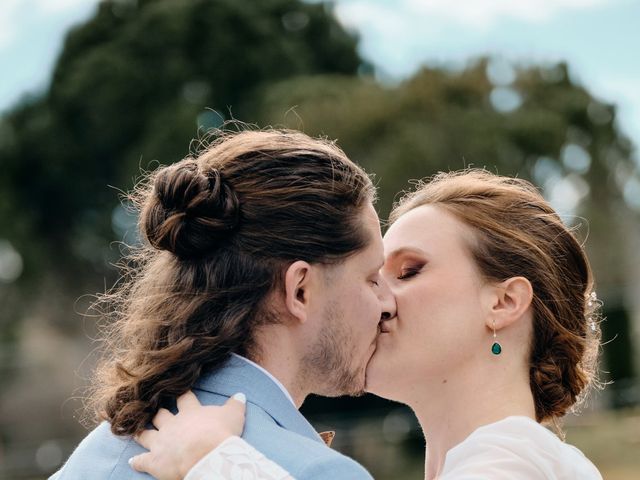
<point x="296" y="286"/>
<point x="510" y="300"/>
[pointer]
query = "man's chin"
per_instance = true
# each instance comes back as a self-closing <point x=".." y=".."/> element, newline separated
<point x="354" y="387"/>
<point x="357" y="390"/>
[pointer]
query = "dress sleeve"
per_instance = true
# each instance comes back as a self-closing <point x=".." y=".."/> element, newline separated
<point x="236" y="459"/>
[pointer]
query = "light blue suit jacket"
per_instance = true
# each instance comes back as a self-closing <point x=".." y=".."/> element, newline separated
<point x="273" y="425"/>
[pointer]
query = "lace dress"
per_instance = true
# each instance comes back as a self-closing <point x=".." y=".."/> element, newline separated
<point x="235" y="459"/>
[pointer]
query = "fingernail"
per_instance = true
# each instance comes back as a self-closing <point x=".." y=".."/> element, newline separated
<point x="240" y="397"/>
<point x="130" y="462"/>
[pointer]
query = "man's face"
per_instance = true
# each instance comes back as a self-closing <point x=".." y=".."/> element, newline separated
<point x="354" y="297"/>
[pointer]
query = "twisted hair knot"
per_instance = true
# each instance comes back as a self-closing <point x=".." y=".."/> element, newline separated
<point x="191" y="213"/>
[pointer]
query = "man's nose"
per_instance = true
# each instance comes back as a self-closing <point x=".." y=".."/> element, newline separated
<point x="387" y="300"/>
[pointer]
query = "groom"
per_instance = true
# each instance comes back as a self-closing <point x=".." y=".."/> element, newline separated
<point x="328" y="303"/>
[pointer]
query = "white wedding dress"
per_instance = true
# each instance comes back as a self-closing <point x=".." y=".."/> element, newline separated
<point x="513" y="448"/>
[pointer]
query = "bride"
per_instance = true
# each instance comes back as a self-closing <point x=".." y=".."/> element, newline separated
<point x="496" y="335"/>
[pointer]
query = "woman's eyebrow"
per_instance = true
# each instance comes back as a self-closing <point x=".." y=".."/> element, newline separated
<point x="400" y="251"/>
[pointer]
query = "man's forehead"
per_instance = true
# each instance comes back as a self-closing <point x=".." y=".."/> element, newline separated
<point x="373" y="253"/>
<point x="370" y="217"/>
<point x="376" y="250"/>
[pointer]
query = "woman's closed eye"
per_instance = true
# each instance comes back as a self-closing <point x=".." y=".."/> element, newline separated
<point x="408" y="272"/>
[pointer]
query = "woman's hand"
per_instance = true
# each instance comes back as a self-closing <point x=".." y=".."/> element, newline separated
<point x="181" y="440"/>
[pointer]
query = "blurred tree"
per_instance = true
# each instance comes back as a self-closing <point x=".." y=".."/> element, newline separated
<point x="619" y="356"/>
<point x="440" y="120"/>
<point x="135" y="83"/>
<point x="537" y="124"/>
<point x="132" y="85"/>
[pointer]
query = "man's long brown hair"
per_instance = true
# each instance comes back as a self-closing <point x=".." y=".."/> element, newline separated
<point x="219" y="230"/>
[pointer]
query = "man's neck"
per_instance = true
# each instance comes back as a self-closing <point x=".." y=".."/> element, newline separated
<point x="270" y="375"/>
<point x="280" y="361"/>
<point x="280" y="369"/>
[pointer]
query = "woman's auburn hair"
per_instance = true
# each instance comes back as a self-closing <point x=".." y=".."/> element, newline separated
<point x="218" y="232"/>
<point x="517" y="233"/>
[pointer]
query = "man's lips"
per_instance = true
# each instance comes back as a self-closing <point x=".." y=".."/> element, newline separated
<point x="385" y="326"/>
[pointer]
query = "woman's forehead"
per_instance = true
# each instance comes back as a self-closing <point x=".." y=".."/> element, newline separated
<point x="424" y="228"/>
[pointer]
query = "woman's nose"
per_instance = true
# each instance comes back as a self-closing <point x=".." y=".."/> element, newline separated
<point x="387" y="300"/>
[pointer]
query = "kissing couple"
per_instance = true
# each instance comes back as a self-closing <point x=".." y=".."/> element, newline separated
<point x="263" y="271"/>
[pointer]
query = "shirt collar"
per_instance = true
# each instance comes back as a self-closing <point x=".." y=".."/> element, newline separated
<point x="274" y="379"/>
<point x="236" y="374"/>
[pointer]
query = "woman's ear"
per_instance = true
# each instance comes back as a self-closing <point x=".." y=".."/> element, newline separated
<point x="296" y="285"/>
<point x="511" y="299"/>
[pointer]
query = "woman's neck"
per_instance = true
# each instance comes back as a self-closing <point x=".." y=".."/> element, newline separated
<point x="448" y="413"/>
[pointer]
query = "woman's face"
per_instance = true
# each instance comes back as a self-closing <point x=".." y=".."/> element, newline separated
<point x="440" y="330"/>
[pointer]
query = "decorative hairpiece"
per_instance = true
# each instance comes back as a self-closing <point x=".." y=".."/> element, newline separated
<point x="592" y="304"/>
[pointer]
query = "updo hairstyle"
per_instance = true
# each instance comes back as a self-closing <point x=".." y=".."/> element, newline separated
<point x="517" y="233"/>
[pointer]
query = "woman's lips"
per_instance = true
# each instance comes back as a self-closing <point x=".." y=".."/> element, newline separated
<point x="385" y="326"/>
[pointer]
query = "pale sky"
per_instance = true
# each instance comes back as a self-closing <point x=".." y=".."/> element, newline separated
<point x="600" y="40"/>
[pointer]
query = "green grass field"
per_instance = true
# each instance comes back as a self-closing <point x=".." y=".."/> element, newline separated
<point x="611" y="440"/>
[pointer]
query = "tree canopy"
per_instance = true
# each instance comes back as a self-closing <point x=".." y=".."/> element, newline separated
<point x="138" y="81"/>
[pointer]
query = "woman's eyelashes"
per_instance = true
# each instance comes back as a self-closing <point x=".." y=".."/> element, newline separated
<point x="409" y="271"/>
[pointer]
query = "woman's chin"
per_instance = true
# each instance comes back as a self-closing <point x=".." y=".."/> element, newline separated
<point x="379" y="376"/>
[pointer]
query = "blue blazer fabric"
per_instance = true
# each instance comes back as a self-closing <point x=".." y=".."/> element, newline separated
<point x="273" y="425"/>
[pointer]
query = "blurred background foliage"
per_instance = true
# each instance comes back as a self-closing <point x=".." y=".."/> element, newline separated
<point x="140" y="80"/>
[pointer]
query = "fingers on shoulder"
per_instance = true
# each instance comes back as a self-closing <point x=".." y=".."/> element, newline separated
<point x="188" y="400"/>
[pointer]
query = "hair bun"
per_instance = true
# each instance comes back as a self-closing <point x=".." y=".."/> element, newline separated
<point x="189" y="213"/>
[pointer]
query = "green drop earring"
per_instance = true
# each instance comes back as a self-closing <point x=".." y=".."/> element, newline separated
<point x="496" y="348"/>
